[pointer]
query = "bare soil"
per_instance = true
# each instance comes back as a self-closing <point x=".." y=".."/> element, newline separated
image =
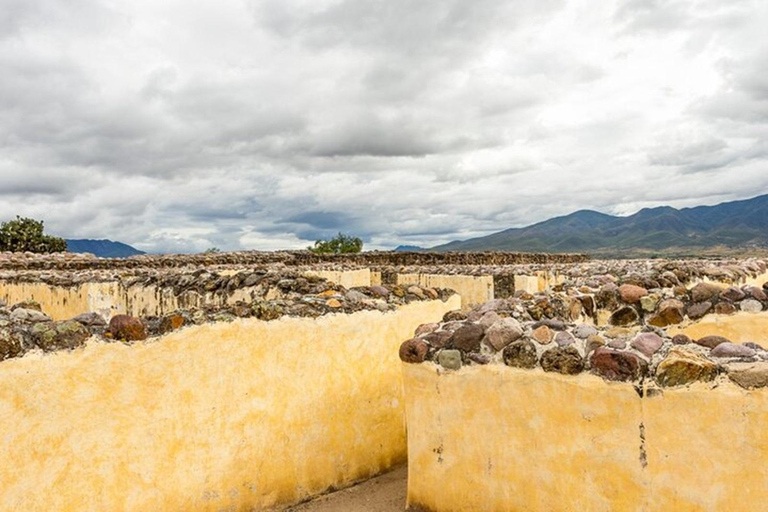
<point x="385" y="493"/>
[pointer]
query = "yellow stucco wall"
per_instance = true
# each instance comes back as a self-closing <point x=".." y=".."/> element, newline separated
<point x="112" y="298"/>
<point x="493" y="438"/>
<point x="230" y="416"/>
<point x="346" y="278"/>
<point x="739" y="328"/>
<point x="541" y="281"/>
<point x="474" y="290"/>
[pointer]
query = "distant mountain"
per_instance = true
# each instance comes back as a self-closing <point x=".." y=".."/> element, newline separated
<point x="102" y="248"/>
<point x="408" y="248"/>
<point x="737" y="224"/>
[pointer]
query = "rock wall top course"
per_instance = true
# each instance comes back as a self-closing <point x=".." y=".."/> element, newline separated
<point x="560" y="331"/>
<point x="25" y="327"/>
<point x="74" y="261"/>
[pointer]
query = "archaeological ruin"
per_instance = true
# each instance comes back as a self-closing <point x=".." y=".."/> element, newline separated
<point x="255" y="381"/>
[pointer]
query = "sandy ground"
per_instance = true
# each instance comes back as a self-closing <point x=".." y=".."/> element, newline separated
<point x="385" y="493"/>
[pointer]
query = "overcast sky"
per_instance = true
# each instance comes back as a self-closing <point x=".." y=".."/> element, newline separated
<point x="176" y="126"/>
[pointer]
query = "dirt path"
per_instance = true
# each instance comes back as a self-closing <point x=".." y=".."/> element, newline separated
<point x="385" y="493"/>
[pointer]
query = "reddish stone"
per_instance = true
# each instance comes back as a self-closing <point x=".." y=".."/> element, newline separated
<point x="711" y="341"/>
<point x="616" y="365"/>
<point x="127" y="328"/>
<point x="631" y="293"/>
<point x="725" y="308"/>
<point x="413" y="351"/>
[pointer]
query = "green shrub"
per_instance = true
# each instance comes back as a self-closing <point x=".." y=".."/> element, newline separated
<point x="25" y="234"/>
<point x="340" y="244"/>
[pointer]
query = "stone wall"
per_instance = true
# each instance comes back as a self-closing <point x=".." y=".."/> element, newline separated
<point x="474" y="290"/>
<point x="238" y="415"/>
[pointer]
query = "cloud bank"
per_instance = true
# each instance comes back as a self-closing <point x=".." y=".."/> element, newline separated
<point x="178" y="126"/>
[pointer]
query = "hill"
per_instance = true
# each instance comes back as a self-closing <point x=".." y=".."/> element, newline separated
<point x="737" y="225"/>
<point x="102" y="248"/>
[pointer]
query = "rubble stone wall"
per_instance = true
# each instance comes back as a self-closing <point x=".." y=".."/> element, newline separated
<point x="239" y="415"/>
<point x="474" y="290"/>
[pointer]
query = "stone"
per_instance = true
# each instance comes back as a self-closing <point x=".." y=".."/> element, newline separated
<point x="751" y="306"/>
<point x="127" y="328"/>
<point x="704" y="292"/>
<point x="631" y="293"/>
<point x="725" y="308"/>
<point x="555" y="325"/>
<point x="583" y="331"/>
<point x="380" y="291"/>
<point x="454" y="316"/>
<point x="438" y="339"/>
<point x="29" y="316"/>
<point x="756" y="293"/>
<point x="754" y="345"/>
<point x="27" y="304"/>
<point x="617" y="366"/>
<point x="10" y="344"/>
<point x="417" y="291"/>
<point x="413" y="351"/>
<point x="333" y="303"/>
<point x="542" y="334"/>
<point x="489" y="318"/>
<point x="503" y="332"/>
<point x="670" y="312"/>
<point x="649" y="302"/>
<point x="426" y="329"/>
<point x="681" y="339"/>
<point x="90" y="319"/>
<point x="564" y="338"/>
<point x="749" y="375"/>
<point x="698" y="310"/>
<point x="619" y="343"/>
<point x="593" y="342"/>
<point x="565" y="360"/>
<point x="619" y="332"/>
<point x="51" y="336"/>
<point x="174" y="321"/>
<point x="520" y="354"/>
<point x="711" y="341"/>
<point x="732" y="294"/>
<point x="478" y="358"/>
<point x="449" y="359"/>
<point x="647" y="343"/>
<point x="467" y="338"/>
<point x="624" y="316"/>
<point x="682" y="367"/>
<point x="355" y="297"/>
<point x="729" y="349"/>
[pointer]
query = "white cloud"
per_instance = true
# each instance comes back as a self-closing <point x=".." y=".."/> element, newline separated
<point x="178" y="126"/>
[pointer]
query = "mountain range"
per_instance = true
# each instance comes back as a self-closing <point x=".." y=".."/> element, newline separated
<point x="102" y="248"/>
<point x="663" y="230"/>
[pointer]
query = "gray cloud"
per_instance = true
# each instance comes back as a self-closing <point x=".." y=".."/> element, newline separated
<point x="267" y="124"/>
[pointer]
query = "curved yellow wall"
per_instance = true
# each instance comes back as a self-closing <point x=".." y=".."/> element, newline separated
<point x="229" y="416"/>
<point x="739" y="328"/>
<point x="497" y="439"/>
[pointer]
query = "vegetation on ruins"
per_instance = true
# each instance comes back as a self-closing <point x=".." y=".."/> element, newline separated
<point x="25" y="234"/>
<point x="340" y="244"/>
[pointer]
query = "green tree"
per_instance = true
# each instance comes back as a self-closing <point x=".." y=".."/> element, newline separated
<point x="340" y="244"/>
<point x="24" y="234"/>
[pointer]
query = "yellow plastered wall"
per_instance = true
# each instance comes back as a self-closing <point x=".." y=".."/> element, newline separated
<point x="497" y="439"/>
<point x="228" y="416"/>
<point x="346" y="278"/>
<point x="474" y="290"/>
<point x="112" y="298"/>
<point x="739" y="328"/>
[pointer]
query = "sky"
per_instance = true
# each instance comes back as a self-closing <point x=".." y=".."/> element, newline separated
<point x="177" y="126"/>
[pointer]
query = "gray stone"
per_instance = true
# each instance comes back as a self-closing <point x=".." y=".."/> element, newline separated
<point x="503" y="332"/>
<point x="91" y="319"/>
<point x="449" y="359"/>
<point x="29" y="316"/>
<point x="698" y="310"/>
<point x="489" y="318"/>
<point x="564" y="338"/>
<point x="751" y="306"/>
<point x="681" y="339"/>
<point x="584" y="331"/>
<point x="728" y="349"/>
<point x="355" y="296"/>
